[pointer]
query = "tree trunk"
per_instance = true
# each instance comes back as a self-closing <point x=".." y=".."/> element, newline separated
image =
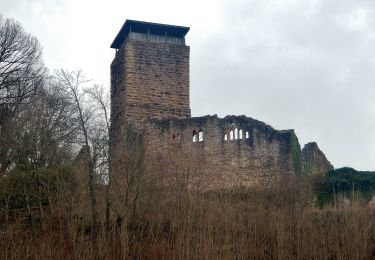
<point x="107" y="211"/>
<point x="7" y="200"/>
<point x="41" y="207"/>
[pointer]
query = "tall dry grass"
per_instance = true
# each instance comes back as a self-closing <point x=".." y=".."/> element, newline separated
<point x="277" y="222"/>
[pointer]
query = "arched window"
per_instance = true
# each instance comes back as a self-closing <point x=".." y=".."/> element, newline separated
<point x="231" y="135"/>
<point x="200" y="135"/>
<point x="236" y="133"/>
<point x="247" y="135"/>
<point x="240" y="134"/>
<point x="195" y="136"/>
<point x="225" y="137"/>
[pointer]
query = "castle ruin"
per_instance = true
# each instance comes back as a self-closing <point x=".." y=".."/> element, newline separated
<point x="150" y="90"/>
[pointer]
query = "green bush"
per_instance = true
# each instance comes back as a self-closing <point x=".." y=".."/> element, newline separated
<point x="25" y="186"/>
<point x="345" y="182"/>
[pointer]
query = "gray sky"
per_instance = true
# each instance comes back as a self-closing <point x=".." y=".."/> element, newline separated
<point x="302" y="64"/>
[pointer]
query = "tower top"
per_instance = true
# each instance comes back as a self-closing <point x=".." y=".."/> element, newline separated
<point x="148" y="28"/>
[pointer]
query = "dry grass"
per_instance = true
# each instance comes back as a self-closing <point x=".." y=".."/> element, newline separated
<point x="279" y="222"/>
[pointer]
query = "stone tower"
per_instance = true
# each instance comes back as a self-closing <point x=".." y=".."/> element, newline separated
<point x="150" y="73"/>
<point x="149" y="80"/>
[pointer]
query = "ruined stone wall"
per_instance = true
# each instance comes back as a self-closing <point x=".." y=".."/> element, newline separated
<point x="211" y="152"/>
<point x="314" y="161"/>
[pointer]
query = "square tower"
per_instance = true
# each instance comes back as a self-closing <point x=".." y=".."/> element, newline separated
<point x="150" y="73"/>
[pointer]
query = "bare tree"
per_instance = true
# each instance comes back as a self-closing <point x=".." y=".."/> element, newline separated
<point x="41" y="140"/>
<point x="42" y="134"/>
<point x="127" y="177"/>
<point x="21" y="73"/>
<point x="100" y="140"/>
<point x="73" y="84"/>
<point x="21" y="67"/>
<point x="98" y="94"/>
<point x="124" y="185"/>
<point x="99" y="102"/>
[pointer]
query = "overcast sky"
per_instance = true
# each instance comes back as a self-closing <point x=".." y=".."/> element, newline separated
<point x="302" y="64"/>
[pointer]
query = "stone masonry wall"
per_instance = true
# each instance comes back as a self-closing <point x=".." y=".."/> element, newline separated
<point x="151" y="80"/>
<point x="200" y="151"/>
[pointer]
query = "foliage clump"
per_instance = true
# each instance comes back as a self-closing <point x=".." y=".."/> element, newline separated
<point x="344" y="182"/>
<point x="27" y="188"/>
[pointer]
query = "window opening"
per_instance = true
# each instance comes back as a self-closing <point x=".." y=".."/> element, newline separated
<point x="236" y="133"/>
<point x="195" y="137"/>
<point x="231" y="135"/>
<point x="200" y="136"/>
<point x="240" y="134"/>
<point x="225" y="137"/>
<point x="247" y="135"/>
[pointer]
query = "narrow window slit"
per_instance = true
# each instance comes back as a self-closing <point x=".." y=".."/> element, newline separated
<point x="195" y="136"/>
<point x="200" y="135"/>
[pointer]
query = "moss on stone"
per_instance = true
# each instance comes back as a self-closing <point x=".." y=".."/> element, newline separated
<point x="296" y="153"/>
<point x="309" y="167"/>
